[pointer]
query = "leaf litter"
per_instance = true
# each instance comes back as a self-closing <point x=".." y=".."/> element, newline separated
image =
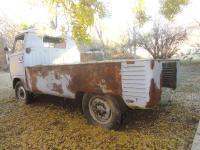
<point x="51" y="123"/>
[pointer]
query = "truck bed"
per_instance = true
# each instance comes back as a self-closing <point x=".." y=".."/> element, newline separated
<point x="138" y="82"/>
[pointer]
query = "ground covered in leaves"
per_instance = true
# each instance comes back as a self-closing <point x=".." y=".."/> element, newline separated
<point x="51" y="123"/>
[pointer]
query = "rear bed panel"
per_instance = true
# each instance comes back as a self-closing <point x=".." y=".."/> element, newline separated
<point x="141" y="83"/>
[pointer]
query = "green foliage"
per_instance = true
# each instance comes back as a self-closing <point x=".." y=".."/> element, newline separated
<point x="169" y="8"/>
<point x="141" y="15"/>
<point x="82" y="14"/>
<point x="25" y="26"/>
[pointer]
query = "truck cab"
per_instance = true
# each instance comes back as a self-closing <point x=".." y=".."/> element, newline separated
<point x="31" y="49"/>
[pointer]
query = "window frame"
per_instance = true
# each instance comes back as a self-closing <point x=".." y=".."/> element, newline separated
<point x="18" y="38"/>
<point x="51" y="38"/>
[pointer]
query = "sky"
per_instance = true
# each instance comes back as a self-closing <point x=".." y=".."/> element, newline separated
<point x="121" y="13"/>
<point x="120" y="17"/>
<point x="21" y="11"/>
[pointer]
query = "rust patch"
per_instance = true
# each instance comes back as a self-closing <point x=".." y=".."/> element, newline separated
<point x="152" y="63"/>
<point x="155" y="95"/>
<point x="130" y="62"/>
<point x="93" y="78"/>
<point x="57" y="88"/>
<point x="26" y="80"/>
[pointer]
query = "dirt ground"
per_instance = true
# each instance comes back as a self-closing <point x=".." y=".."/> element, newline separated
<point x="51" y="123"/>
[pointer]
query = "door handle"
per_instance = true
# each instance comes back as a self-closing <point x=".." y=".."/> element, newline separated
<point x="28" y="50"/>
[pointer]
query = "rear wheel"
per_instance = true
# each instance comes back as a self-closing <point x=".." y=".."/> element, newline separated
<point x="21" y="94"/>
<point x="102" y="110"/>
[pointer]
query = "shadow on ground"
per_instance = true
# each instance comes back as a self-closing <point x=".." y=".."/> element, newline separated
<point x="147" y="116"/>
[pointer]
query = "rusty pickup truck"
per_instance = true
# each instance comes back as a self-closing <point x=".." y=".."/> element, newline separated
<point x="51" y="65"/>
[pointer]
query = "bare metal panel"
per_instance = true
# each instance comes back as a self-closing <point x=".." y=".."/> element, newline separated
<point x="67" y="80"/>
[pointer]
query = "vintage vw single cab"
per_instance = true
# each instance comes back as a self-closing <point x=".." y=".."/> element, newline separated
<point x="51" y="65"/>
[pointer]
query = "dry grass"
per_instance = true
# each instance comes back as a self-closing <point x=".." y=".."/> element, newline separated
<point x="50" y="123"/>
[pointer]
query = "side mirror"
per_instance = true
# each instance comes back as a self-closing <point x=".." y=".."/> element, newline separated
<point x="6" y="49"/>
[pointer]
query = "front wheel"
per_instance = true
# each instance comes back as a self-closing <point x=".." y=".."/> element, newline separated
<point x="102" y="110"/>
<point x="21" y="93"/>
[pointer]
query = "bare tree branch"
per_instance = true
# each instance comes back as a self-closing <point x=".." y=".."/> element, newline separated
<point x="163" y="42"/>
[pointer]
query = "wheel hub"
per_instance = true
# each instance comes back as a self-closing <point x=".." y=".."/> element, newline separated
<point x="21" y="93"/>
<point x="100" y="110"/>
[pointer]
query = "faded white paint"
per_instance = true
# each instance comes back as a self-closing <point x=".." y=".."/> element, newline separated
<point x="32" y="40"/>
<point x="46" y="84"/>
<point x="16" y="64"/>
<point x="136" y="80"/>
<point x="51" y="56"/>
<point x="39" y="55"/>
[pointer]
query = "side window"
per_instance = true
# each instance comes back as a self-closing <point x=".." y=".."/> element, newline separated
<point x="19" y="45"/>
<point x="53" y="42"/>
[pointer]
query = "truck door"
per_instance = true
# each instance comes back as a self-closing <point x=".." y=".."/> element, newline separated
<point x="17" y="58"/>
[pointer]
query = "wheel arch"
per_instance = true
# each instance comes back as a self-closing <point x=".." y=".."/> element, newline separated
<point x="80" y="94"/>
<point x="117" y="98"/>
<point x="115" y="104"/>
<point x="15" y="80"/>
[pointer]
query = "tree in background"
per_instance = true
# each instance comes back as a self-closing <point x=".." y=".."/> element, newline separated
<point x="140" y="13"/>
<point x="163" y="41"/>
<point x="25" y="26"/>
<point x="169" y="9"/>
<point x="131" y="41"/>
<point x="8" y="30"/>
<point x="82" y="15"/>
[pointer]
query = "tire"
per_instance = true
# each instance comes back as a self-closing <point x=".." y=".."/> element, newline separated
<point x="102" y="110"/>
<point x="21" y="94"/>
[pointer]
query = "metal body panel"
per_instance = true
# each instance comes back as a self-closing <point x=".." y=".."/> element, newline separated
<point x="17" y="69"/>
<point x="51" y="56"/>
<point x="66" y="80"/>
<point x="137" y="82"/>
<point x="40" y="55"/>
<point x="141" y="83"/>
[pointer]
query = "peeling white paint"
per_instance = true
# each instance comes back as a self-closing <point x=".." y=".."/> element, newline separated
<point x="157" y="73"/>
<point x="46" y="84"/>
<point x="103" y="86"/>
